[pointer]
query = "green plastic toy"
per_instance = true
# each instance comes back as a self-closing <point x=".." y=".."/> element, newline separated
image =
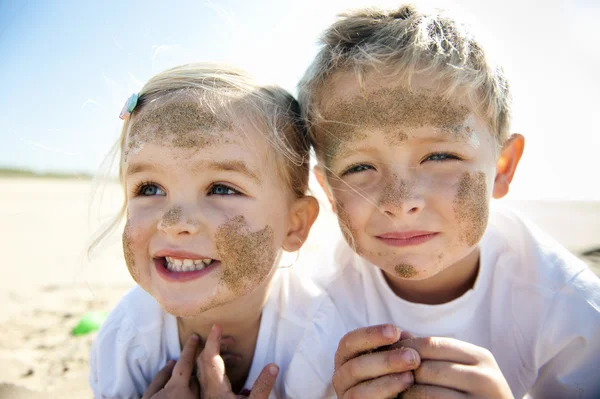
<point x="90" y="322"/>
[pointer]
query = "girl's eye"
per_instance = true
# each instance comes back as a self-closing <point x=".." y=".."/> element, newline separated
<point x="221" y="189"/>
<point x="440" y="157"/>
<point x="357" y="169"/>
<point x="150" y="189"/>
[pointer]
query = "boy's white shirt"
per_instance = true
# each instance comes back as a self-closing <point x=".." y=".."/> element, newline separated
<point x="138" y="338"/>
<point x="534" y="305"/>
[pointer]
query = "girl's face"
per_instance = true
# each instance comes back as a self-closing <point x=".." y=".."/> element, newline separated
<point x="207" y="212"/>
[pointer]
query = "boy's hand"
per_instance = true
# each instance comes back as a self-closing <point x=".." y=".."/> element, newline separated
<point x="214" y="381"/>
<point x="175" y="379"/>
<point x="455" y="369"/>
<point x="366" y="366"/>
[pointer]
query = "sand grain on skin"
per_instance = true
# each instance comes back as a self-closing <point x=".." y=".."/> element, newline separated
<point x="471" y="207"/>
<point x="128" y="251"/>
<point x="247" y="257"/>
<point x="395" y="192"/>
<point x="171" y="216"/>
<point x="347" y="121"/>
<point x="181" y="123"/>
<point x="405" y="270"/>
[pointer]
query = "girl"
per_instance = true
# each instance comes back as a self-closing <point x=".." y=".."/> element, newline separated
<point x="215" y="171"/>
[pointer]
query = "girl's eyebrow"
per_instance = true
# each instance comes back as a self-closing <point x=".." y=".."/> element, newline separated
<point x="142" y="167"/>
<point x="229" y="166"/>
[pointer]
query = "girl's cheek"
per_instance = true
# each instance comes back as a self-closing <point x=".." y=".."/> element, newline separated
<point x="247" y="257"/>
<point x="471" y="207"/>
<point x="128" y="245"/>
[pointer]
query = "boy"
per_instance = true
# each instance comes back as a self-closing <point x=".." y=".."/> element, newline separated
<point x="410" y="123"/>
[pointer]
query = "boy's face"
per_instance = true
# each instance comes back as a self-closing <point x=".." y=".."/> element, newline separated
<point x="410" y="175"/>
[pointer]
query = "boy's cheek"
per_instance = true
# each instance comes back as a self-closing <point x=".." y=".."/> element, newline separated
<point x="471" y="206"/>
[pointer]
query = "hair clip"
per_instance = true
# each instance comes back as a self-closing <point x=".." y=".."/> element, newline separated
<point x="129" y="106"/>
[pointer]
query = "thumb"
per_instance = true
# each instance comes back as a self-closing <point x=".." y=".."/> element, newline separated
<point x="265" y="382"/>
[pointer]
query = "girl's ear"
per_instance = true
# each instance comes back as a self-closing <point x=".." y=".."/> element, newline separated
<point x="303" y="213"/>
<point x="506" y="166"/>
<point x="320" y="175"/>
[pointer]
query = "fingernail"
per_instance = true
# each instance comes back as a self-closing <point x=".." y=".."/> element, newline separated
<point x="273" y="370"/>
<point x="409" y="356"/>
<point x="170" y="363"/>
<point x="389" y="331"/>
<point x="194" y="337"/>
<point x="409" y="377"/>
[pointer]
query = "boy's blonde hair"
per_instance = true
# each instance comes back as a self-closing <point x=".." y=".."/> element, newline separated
<point x="227" y="95"/>
<point x="407" y="42"/>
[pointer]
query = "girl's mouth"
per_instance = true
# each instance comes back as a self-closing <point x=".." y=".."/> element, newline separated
<point x="186" y="265"/>
<point x="181" y="270"/>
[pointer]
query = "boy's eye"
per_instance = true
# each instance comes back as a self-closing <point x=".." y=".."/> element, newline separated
<point x="357" y="169"/>
<point x="441" y="156"/>
<point x="150" y="189"/>
<point x="221" y="189"/>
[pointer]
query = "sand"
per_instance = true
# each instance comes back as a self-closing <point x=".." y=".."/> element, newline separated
<point x="49" y="283"/>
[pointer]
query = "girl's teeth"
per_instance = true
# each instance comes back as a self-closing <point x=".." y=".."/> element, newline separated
<point x="187" y="265"/>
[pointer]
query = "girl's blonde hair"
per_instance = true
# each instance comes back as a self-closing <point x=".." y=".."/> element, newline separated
<point x="228" y="94"/>
<point x="406" y="42"/>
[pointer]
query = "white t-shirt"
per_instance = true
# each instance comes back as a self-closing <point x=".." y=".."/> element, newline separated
<point x="139" y="338"/>
<point x="534" y="305"/>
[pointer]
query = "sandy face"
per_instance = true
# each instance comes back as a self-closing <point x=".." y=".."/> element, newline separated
<point x="246" y="257"/>
<point x="405" y="270"/>
<point x="128" y="251"/>
<point x="387" y="109"/>
<point x="394" y="193"/>
<point x="471" y="207"/>
<point x="171" y="216"/>
<point x="180" y="123"/>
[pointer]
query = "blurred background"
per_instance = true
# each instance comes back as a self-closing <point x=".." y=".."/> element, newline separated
<point x="67" y="68"/>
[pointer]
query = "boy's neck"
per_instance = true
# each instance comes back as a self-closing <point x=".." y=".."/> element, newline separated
<point x="240" y="323"/>
<point x="444" y="287"/>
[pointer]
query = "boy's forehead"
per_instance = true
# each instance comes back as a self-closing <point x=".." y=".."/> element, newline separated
<point x="349" y="110"/>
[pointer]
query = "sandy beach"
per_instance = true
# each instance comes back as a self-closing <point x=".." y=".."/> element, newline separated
<point x="49" y="282"/>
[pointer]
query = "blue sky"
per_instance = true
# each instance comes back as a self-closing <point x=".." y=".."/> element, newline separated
<point x="68" y="66"/>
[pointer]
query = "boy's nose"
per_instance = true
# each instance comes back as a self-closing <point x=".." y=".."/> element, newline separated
<point x="179" y="220"/>
<point x="399" y="197"/>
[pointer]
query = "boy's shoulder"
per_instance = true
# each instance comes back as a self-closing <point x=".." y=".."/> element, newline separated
<point x="523" y="252"/>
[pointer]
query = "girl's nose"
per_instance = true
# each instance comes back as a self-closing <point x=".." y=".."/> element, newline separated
<point x="399" y="197"/>
<point x="177" y="221"/>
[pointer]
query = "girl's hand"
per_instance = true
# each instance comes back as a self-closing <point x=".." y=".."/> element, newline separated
<point x="368" y="365"/>
<point x="175" y="380"/>
<point x="455" y="369"/>
<point x="214" y="381"/>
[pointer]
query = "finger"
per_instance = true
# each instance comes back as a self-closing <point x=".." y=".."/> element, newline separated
<point x="373" y="365"/>
<point x="448" y="349"/>
<point x="387" y="386"/>
<point x="265" y="382"/>
<point x="363" y="340"/>
<point x="211" y="368"/>
<point x="449" y="375"/>
<point x="160" y="380"/>
<point x="195" y="387"/>
<point x="185" y="365"/>
<point x="427" y="391"/>
<point x="407" y="335"/>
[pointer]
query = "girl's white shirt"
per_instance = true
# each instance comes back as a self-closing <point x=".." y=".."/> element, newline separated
<point x="139" y="338"/>
<point x="534" y="305"/>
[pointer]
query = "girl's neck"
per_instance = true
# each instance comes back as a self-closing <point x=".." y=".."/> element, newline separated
<point x="444" y="287"/>
<point x="240" y="323"/>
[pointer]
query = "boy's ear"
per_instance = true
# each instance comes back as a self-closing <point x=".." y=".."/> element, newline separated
<point x="303" y="214"/>
<point x="506" y="166"/>
<point x="320" y="175"/>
